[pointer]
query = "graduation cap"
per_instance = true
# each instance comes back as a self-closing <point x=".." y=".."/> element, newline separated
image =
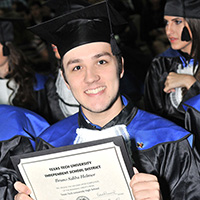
<point x="65" y="6"/>
<point x="94" y="23"/>
<point x="185" y="9"/>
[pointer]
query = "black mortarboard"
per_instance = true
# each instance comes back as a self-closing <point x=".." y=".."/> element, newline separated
<point x="183" y="8"/>
<point x="90" y="24"/>
<point x="6" y="31"/>
<point x="65" y="6"/>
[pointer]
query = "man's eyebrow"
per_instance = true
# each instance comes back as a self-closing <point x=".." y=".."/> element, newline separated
<point x="102" y="54"/>
<point x="73" y="61"/>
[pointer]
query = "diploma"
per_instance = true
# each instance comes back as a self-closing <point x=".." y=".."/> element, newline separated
<point x="98" y="170"/>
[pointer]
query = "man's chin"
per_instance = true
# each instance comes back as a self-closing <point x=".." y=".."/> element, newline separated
<point x="95" y="109"/>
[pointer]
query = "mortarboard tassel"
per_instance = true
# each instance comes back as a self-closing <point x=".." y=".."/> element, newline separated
<point x="113" y="42"/>
<point x="6" y="50"/>
<point x="185" y="34"/>
<point x="114" y="45"/>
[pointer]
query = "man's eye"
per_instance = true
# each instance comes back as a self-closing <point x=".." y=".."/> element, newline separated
<point x="76" y="68"/>
<point x="101" y="62"/>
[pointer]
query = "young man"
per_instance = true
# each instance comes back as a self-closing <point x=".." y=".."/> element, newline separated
<point x="92" y="68"/>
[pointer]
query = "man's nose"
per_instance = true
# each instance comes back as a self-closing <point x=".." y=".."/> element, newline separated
<point x="91" y="76"/>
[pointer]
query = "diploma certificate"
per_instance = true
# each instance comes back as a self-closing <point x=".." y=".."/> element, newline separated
<point x="93" y="172"/>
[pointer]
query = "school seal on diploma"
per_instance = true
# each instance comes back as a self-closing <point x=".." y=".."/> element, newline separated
<point x="82" y="198"/>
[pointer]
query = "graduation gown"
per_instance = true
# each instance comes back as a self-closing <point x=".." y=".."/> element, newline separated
<point x="41" y="103"/>
<point x="18" y="129"/>
<point x="192" y="117"/>
<point x="155" y="99"/>
<point x="157" y="146"/>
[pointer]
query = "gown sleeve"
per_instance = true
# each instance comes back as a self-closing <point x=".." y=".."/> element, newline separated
<point x="155" y="99"/>
<point x="18" y="129"/>
<point x="176" y="168"/>
<point x="192" y="117"/>
<point x="193" y="91"/>
<point x="8" y="176"/>
<point x="154" y="84"/>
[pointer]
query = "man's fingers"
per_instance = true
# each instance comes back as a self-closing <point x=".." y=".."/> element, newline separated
<point x="135" y="170"/>
<point x="145" y="186"/>
<point x="147" y="194"/>
<point x="21" y="188"/>
<point x="143" y="180"/>
<point x="142" y="177"/>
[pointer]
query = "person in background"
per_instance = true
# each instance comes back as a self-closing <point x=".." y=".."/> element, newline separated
<point x="36" y="16"/>
<point x="19" y="84"/>
<point x="173" y="76"/>
<point x="18" y="129"/>
<point x="192" y="117"/>
<point x="153" y="27"/>
<point x="92" y="66"/>
<point x="61" y="100"/>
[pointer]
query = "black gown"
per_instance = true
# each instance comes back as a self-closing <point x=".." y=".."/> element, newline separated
<point x="155" y="99"/>
<point x="192" y="117"/>
<point x="18" y="129"/>
<point x="158" y="146"/>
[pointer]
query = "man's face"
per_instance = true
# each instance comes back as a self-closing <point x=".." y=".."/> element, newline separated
<point x="92" y="74"/>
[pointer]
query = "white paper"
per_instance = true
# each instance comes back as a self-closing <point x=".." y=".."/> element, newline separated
<point x="92" y="173"/>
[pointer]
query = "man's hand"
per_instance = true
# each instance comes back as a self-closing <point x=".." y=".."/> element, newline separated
<point x="145" y="186"/>
<point x="23" y="191"/>
<point x="175" y="80"/>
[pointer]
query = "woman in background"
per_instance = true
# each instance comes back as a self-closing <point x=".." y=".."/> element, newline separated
<point x="19" y="84"/>
<point x="174" y="75"/>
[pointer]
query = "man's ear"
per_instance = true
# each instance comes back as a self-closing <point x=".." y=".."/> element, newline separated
<point x="122" y="68"/>
<point x="55" y="49"/>
<point x="63" y="76"/>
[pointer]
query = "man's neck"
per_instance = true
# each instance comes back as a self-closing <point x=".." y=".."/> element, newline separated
<point x="101" y="119"/>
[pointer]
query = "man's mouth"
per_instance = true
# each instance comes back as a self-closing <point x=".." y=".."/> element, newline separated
<point x="95" y="91"/>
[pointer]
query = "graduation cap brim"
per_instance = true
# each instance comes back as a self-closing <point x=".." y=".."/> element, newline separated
<point x="182" y="8"/>
<point x="48" y="29"/>
<point x="11" y="16"/>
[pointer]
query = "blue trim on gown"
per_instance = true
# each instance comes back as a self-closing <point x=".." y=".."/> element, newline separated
<point x="40" y="82"/>
<point x="145" y="128"/>
<point x="16" y="121"/>
<point x="192" y="102"/>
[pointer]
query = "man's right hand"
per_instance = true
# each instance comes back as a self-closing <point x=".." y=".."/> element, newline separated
<point x="145" y="186"/>
<point x="23" y="191"/>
